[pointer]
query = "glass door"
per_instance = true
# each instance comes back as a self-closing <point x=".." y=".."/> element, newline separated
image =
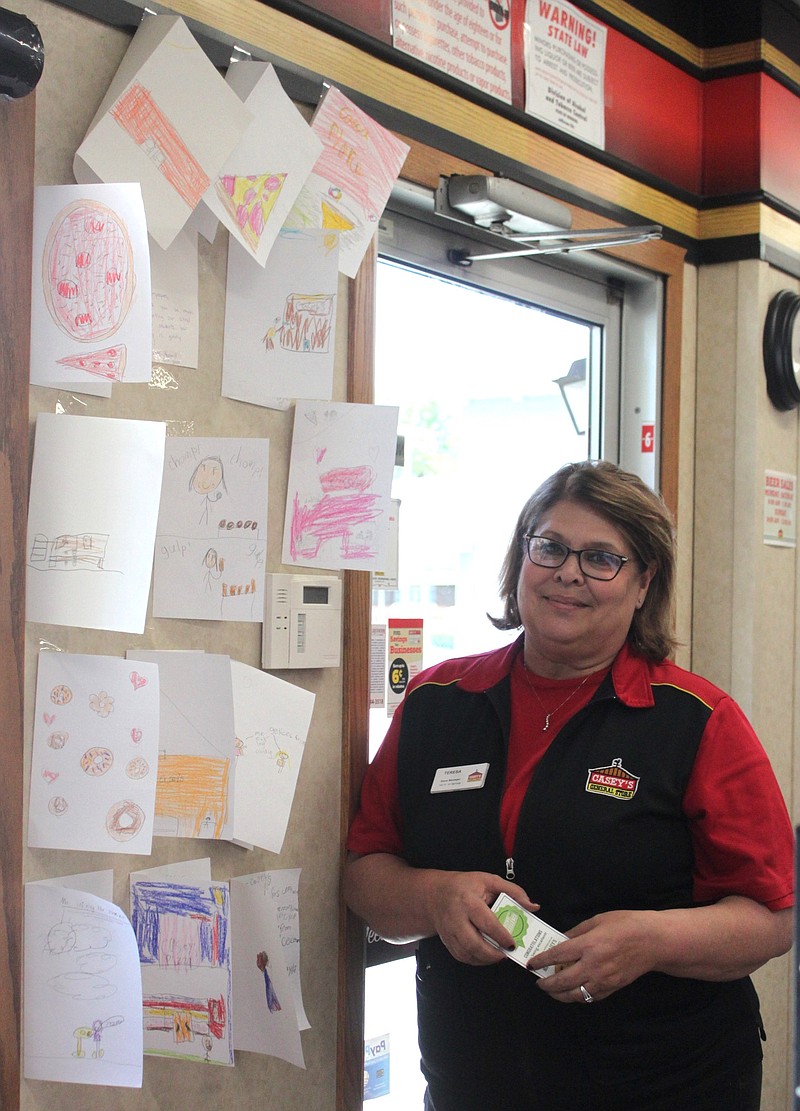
<point x="500" y="377"/>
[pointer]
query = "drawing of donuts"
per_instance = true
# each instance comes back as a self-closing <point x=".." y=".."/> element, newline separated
<point x="124" y="820"/>
<point x="97" y="761"/>
<point x="58" y="740"/>
<point x="137" y="768"/>
<point x="88" y="275"/>
<point x="60" y="695"/>
<point x="58" y="805"/>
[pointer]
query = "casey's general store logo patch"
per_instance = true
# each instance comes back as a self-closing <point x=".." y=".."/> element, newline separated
<point x="613" y="780"/>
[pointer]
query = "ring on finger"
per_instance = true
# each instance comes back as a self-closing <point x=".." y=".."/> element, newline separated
<point x="587" y="998"/>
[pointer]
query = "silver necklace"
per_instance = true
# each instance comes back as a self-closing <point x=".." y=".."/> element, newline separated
<point x="548" y="715"/>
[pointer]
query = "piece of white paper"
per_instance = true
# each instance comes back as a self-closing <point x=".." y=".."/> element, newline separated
<point x="254" y="191"/>
<point x="212" y="529"/>
<point x="283" y="888"/>
<point x="100" y="884"/>
<point x="92" y="516"/>
<point x="90" y="286"/>
<point x="264" y="997"/>
<point x="196" y="871"/>
<point x="565" y="57"/>
<point x="95" y="754"/>
<point x="280" y="321"/>
<point x="468" y="41"/>
<point x="338" y="500"/>
<point x="196" y="769"/>
<point x="82" y="990"/>
<point x="272" y="720"/>
<point x="182" y="929"/>
<point x="174" y="280"/>
<point x="168" y="121"/>
<point x="352" y="179"/>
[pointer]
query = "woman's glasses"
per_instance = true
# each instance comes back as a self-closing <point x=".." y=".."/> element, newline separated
<point x="593" y="562"/>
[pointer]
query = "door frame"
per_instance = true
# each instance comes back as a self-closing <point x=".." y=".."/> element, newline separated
<point x="424" y="166"/>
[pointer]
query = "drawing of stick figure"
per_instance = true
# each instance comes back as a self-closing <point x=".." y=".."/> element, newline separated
<point x="213" y="566"/>
<point x="95" y="1032"/>
<point x="97" y="1036"/>
<point x="207" y="478"/>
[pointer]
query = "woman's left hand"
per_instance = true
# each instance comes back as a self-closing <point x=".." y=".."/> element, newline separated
<point x="602" y="955"/>
<point x="723" y="941"/>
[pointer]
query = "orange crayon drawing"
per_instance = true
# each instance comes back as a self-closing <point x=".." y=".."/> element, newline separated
<point x="139" y="115"/>
<point x="193" y="792"/>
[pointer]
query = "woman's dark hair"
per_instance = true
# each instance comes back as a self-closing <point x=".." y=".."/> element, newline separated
<point x="627" y="503"/>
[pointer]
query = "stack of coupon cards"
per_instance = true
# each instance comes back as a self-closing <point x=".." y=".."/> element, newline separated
<point x="531" y="935"/>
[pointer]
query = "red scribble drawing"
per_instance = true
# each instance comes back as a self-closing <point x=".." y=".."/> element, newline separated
<point x="345" y="504"/>
<point x="306" y="325"/>
<point x="139" y="115"/>
<point x="87" y="270"/>
<point x="109" y="363"/>
<point x="124" y="820"/>
<point x="250" y="200"/>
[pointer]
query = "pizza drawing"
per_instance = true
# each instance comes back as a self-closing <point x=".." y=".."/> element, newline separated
<point x="88" y="271"/>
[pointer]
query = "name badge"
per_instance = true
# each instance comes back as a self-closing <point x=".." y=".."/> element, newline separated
<point x="467" y="778"/>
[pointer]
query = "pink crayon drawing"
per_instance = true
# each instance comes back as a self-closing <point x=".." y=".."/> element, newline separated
<point x="109" y="363"/>
<point x="359" y="156"/>
<point x="345" y="504"/>
<point x="250" y="200"/>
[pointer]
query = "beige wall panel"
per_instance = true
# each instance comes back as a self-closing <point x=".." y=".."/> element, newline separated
<point x="81" y="58"/>
<point x="745" y="598"/>
<point x="713" y="505"/>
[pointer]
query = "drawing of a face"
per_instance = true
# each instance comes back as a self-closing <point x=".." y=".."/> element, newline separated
<point x="207" y="476"/>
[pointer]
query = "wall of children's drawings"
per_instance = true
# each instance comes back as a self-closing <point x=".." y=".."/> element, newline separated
<point x="193" y="236"/>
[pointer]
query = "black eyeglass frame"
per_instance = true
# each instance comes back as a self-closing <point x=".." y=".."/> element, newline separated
<point x="579" y="552"/>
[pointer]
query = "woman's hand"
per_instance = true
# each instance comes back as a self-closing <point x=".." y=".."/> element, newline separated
<point x="402" y="904"/>
<point x="459" y="905"/>
<point x="603" y="954"/>
<point x="725" y="941"/>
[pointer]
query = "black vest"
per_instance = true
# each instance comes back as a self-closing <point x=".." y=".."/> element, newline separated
<point x="601" y="828"/>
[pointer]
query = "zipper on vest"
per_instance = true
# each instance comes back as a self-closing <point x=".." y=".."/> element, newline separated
<point x="510" y="873"/>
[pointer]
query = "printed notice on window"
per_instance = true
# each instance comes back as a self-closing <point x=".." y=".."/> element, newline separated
<point x="565" y="54"/>
<point x="466" y="39"/>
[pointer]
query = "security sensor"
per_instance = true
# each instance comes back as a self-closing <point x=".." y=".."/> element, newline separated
<point x="493" y="201"/>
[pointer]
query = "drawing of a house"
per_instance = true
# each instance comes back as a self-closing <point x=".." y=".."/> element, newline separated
<point x="70" y="550"/>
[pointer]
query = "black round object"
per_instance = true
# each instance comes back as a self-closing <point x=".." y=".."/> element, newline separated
<point x="781" y="345"/>
<point x="21" y="55"/>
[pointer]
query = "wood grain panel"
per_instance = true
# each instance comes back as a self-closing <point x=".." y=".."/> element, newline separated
<point x="355" y="714"/>
<point x="16" y="227"/>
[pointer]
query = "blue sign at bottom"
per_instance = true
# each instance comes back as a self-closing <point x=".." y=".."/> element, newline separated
<point x="376" y="1067"/>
